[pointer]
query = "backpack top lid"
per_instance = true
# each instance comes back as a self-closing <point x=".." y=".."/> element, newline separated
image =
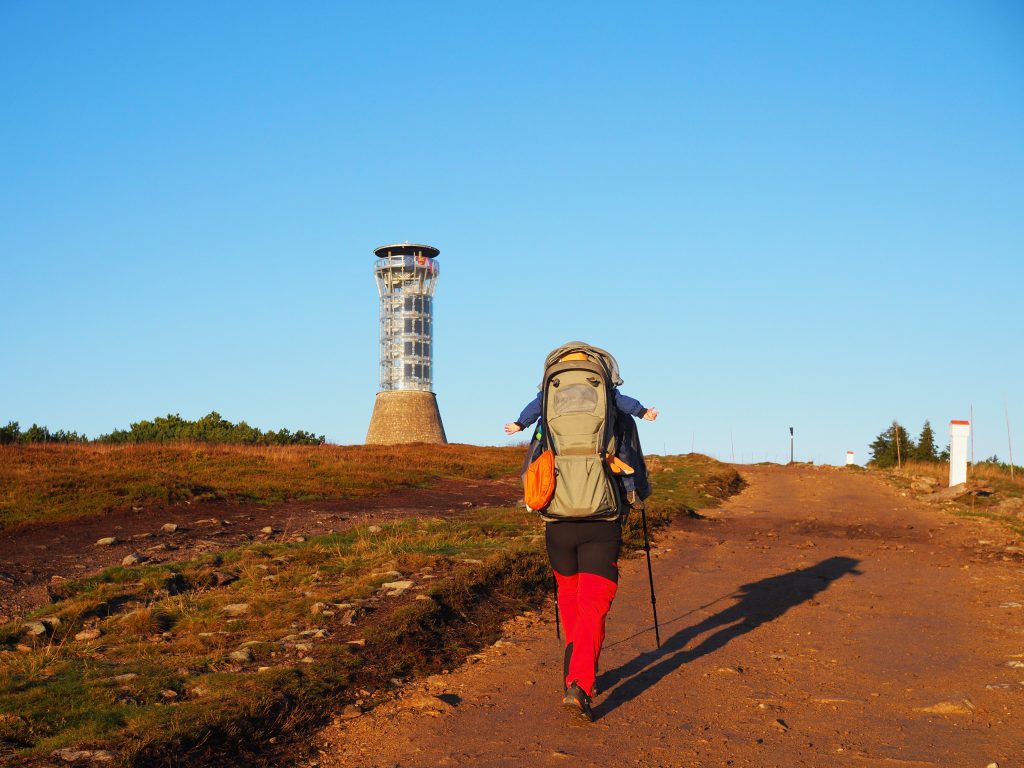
<point x="590" y="352"/>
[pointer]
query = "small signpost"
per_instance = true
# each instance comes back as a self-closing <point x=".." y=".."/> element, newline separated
<point x="849" y="458"/>
<point x="790" y="445"/>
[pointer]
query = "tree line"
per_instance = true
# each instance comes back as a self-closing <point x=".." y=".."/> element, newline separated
<point x="212" y="428"/>
<point x="895" y="445"/>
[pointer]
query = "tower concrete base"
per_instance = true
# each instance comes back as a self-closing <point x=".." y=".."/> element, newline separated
<point x="405" y="416"/>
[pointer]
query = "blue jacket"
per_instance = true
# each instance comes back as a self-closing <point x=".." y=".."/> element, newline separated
<point x="624" y="403"/>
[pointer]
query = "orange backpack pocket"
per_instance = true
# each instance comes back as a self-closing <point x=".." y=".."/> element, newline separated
<point x="539" y="481"/>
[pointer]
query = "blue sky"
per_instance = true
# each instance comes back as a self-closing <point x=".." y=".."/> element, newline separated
<point x="806" y="214"/>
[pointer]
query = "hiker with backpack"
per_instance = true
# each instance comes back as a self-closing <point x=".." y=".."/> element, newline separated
<point x="583" y="471"/>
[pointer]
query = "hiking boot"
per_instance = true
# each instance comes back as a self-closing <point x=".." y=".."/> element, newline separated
<point x="635" y="502"/>
<point x="578" y="703"/>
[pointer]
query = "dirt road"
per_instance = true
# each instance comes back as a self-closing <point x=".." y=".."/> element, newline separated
<point x="817" y="619"/>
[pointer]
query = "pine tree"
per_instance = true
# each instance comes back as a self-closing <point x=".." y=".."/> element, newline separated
<point x="884" y="451"/>
<point x="926" y="450"/>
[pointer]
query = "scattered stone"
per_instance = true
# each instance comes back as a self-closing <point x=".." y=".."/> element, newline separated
<point x="350" y="712"/>
<point x="317" y="608"/>
<point x="133" y="559"/>
<point x="222" y="579"/>
<point x="349" y="618"/>
<point x="300" y="539"/>
<point x="141" y="536"/>
<point x="209" y="521"/>
<point x="235" y="609"/>
<point x="396" y="588"/>
<point x="963" y="707"/>
<point x="374" y="529"/>
<point x="780" y="724"/>
<point x="125" y="678"/>
<point x="242" y="656"/>
<point x="88" y="634"/>
<point x="1011" y="605"/>
<point x="360" y="643"/>
<point x="34" y="628"/>
<point x="424" y="597"/>
<point x="107" y="541"/>
<point x="424" y="702"/>
<point x="1012" y="663"/>
<point x="737" y="670"/>
<point x="169" y="527"/>
<point x="168" y="695"/>
<point x="71" y="755"/>
<point x="306" y="660"/>
<point x="268" y="529"/>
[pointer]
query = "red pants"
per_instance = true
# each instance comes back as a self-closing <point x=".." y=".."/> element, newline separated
<point x="584" y="556"/>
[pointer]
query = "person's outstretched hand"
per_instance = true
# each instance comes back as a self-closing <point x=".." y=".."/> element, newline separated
<point x="511" y="428"/>
<point x="651" y="415"/>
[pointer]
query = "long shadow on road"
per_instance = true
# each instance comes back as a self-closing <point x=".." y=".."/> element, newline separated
<point x="758" y="602"/>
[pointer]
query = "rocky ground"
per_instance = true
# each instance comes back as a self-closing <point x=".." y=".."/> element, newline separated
<point x="820" y="618"/>
<point x="33" y="555"/>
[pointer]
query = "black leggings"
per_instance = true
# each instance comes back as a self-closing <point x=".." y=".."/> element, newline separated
<point x="587" y="546"/>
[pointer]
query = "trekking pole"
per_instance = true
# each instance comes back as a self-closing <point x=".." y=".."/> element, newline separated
<point x="558" y="632"/>
<point x="650" y="578"/>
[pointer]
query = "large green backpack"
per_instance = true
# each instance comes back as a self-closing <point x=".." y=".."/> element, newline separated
<point x="578" y="425"/>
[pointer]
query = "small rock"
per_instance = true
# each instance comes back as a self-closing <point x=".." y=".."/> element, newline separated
<point x="34" y="628"/>
<point x="235" y="609"/>
<point x="348" y="618"/>
<point x="71" y="755"/>
<point x="168" y="695"/>
<point x="360" y="643"/>
<point x="209" y="521"/>
<point x="141" y="536"/>
<point x="107" y="541"/>
<point x="87" y="634"/>
<point x="223" y="579"/>
<point x="780" y="724"/>
<point x="1012" y="663"/>
<point x="268" y="529"/>
<point x="350" y="712"/>
<point x="169" y="527"/>
<point x="424" y="597"/>
<point x="242" y="656"/>
<point x="132" y="559"/>
<point x="125" y="678"/>
<point x="425" y="702"/>
<point x="306" y="660"/>
<point x="374" y="529"/>
<point x="948" y="708"/>
<point x="316" y="608"/>
<point x="396" y="586"/>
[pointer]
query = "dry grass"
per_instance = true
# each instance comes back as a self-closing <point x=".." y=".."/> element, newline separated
<point x="1002" y="506"/>
<point x="62" y="482"/>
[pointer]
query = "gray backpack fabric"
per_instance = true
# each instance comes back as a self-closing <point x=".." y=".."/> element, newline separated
<point x="578" y="425"/>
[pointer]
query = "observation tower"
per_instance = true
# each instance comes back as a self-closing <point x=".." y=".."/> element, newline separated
<point x="406" y="410"/>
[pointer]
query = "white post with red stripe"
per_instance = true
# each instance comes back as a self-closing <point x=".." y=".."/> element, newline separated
<point x="849" y="458"/>
<point x="959" y="436"/>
